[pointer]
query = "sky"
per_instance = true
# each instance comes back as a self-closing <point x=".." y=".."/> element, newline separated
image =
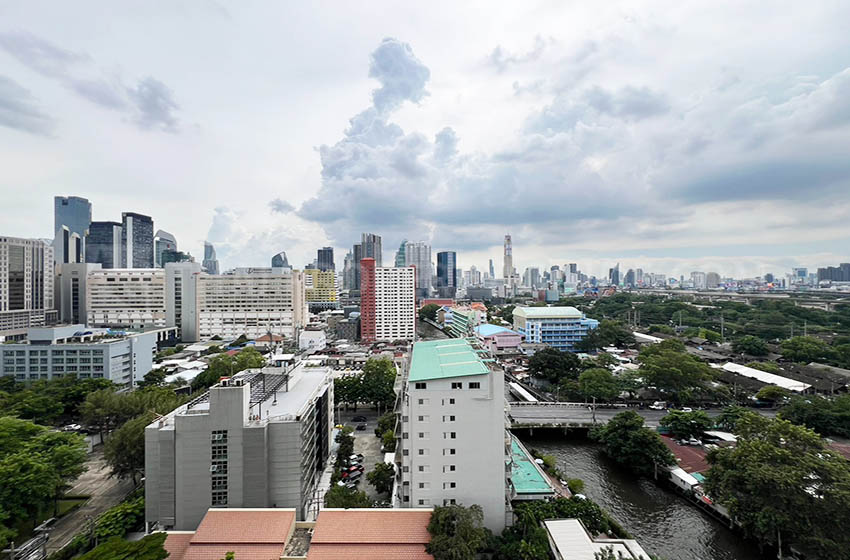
<point x="668" y="136"/>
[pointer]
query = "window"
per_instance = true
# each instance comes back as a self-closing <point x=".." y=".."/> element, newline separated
<point x="448" y="485"/>
<point x="449" y="468"/>
<point x="425" y="485"/>
<point x="420" y="386"/>
<point x="424" y="418"/>
<point x="449" y="502"/>
<point x="457" y="385"/>
<point x="450" y="418"/>
<point x="219" y="498"/>
<point x="405" y="452"/>
<point x="405" y="469"/>
<point x="475" y="385"/>
<point x="422" y="451"/>
<point x="448" y="451"/>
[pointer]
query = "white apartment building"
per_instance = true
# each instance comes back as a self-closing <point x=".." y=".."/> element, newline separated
<point x="132" y="298"/>
<point x="26" y="285"/>
<point x="453" y="445"/>
<point x="387" y="302"/>
<point x="181" y="303"/>
<point x="251" y="301"/>
<point x="54" y="352"/>
<point x="260" y="439"/>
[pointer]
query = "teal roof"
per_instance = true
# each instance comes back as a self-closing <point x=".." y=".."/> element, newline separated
<point x="441" y="359"/>
<point x="525" y="476"/>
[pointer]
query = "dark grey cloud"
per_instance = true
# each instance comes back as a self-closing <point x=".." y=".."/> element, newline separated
<point x="401" y="74"/>
<point x="150" y="103"/>
<point x="18" y="109"/>
<point x="281" y="206"/>
<point x="154" y="104"/>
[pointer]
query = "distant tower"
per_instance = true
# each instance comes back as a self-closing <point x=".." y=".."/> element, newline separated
<point x="210" y="263"/>
<point x="508" y="264"/>
<point x="400" y="258"/>
<point x="162" y="241"/>
<point x="280" y="260"/>
<point x="492" y="270"/>
<point x="71" y="221"/>
<point x="137" y="249"/>
<point x="325" y="259"/>
<point x="371" y="247"/>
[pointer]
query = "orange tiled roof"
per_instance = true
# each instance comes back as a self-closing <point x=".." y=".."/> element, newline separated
<point x="176" y="544"/>
<point x="366" y="552"/>
<point x="241" y="551"/>
<point x="232" y="526"/>
<point x="372" y="526"/>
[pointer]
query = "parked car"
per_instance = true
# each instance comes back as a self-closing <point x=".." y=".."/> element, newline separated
<point x="361" y="426"/>
<point x="72" y="428"/>
<point x="687" y="409"/>
<point x="694" y="441"/>
<point x="359" y="419"/>
<point x="357" y="467"/>
<point x="356" y="457"/>
<point x="658" y="405"/>
<point x="349" y="476"/>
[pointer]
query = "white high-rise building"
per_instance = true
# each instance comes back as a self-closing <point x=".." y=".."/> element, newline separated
<point x="251" y="301"/>
<point x="181" y="293"/>
<point x="698" y="280"/>
<point x="132" y="298"/>
<point x="454" y="447"/>
<point x="26" y="285"/>
<point x="508" y="264"/>
<point x="418" y="254"/>
<point x="387" y="302"/>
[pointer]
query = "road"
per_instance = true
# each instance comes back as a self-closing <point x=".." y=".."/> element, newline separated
<point x="366" y="443"/>
<point x="555" y="415"/>
<point x="105" y="492"/>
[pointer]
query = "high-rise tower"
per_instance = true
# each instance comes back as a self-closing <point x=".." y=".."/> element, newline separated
<point x="210" y="263"/>
<point x="508" y="263"/>
<point x="71" y="220"/>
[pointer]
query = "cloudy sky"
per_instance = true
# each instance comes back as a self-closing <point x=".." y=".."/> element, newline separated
<point x="667" y="136"/>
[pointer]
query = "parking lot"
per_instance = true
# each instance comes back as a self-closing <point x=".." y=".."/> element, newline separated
<point x="366" y="443"/>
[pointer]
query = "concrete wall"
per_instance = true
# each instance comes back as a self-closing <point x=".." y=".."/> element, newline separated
<point x="284" y="452"/>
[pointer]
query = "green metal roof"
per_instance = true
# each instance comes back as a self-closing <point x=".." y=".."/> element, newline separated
<point x="525" y="476"/>
<point x="548" y="312"/>
<point x="441" y="359"/>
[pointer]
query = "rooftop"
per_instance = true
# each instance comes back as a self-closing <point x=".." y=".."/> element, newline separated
<point x="564" y="312"/>
<point x="362" y="534"/>
<point x="442" y="359"/>
<point x="525" y="474"/>
<point x="571" y="540"/>
<point x="489" y="330"/>
<point x="765" y="377"/>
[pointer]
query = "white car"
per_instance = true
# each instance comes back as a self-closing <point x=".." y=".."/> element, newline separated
<point x="694" y="441"/>
<point x="687" y="409"/>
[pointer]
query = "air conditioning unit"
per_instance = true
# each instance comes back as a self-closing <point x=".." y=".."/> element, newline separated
<point x="217" y="437"/>
<point x="213" y="468"/>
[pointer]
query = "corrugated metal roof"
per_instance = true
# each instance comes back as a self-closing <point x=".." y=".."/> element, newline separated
<point x="765" y="377"/>
<point x="442" y="359"/>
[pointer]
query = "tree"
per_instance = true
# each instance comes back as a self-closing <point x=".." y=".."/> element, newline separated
<point x="382" y="477"/>
<point x="342" y="497"/>
<point x="770" y="367"/>
<point x="122" y="518"/>
<point x="828" y="417"/>
<point x="729" y="416"/>
<point x="148" y="548"/>
<point x="29" y="485"/>
<point x="804" y="349"/>
<point x="153" y="378"/>
<point x="782" y="484"/>
<point x="686" y="424"/>
<point x="345" y="443"/>
<point x="457" y="532"/>
<point x="598" y="383"/>
<point x="773" y="393"/>
<point x="553" y="365"/>
<point x="429" y="312"/>
<point x="670" y="369"/>
<point x="388" y="441"/>
<point x="749" y="344"/>
<point x="615" y="333"/>
<point x="66" y="455"/>
<point x="628" y="442"/>
<point x="386" y="422"/>
<point x="124" y="451"/>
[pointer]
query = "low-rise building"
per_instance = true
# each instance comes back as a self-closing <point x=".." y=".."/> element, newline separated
<point x="259" y="439"/>
<point x="570" y="540"/>
<point x="498" y="340"/>
<point x="54" y="352"/>
<point x="454" y="447"/>
<point x="312" y="340"/>
<point x="558" y="327"/>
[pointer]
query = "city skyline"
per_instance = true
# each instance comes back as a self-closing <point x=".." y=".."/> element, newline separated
<point x="725" y="156"/>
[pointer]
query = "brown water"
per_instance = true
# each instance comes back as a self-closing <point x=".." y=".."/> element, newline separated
<point x="663" y="522"/>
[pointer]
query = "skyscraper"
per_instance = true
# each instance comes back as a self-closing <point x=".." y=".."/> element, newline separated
<point x="210" y="263"/>
<point x="103" y="244"/>
<point x="492" y="269"/>
<point x="136" y="240"/>
<point x="357" y="251"/>
<point x="418" y="254"/>
<point x="371" y="246"/>
<point x="447" y="273"/>
<point x="325" y="259"/>
<point x="630" y="279"/>
<point x="614" y="275"/>
<point x="26" y="285"/>
<point x="508" y="264"/>
<point x="163" y="241"/>
<point x="348" y="271"/>
<point x="399" y="255"/>
<point x="278" y="261"/>
<point x="71" y="220"/>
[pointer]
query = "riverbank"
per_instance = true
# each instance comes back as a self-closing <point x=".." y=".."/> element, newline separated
<point x="664" y="522"/>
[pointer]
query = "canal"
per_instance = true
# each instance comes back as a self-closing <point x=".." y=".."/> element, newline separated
<point x="662" y="521"/>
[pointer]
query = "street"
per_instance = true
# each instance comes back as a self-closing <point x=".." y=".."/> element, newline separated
<point x="543" y="414"/>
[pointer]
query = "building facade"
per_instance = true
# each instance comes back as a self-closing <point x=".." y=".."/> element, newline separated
<point x="418" y="254"/>
<point x="453" y="446"/>
<point x="387" y="302"/>
<point x="163" y="241"/>
<point x="280" y="260"/>
<point x="131" y="298"/>
<point x="210" y="263"/>
<point x="26" y="285"/>
<point x="137" y="249"/>
<point x="325" y="259"/>
<point x="103" y="244"/>
<point x="70" y="287"/>
<point x="370" y="246"/>
<point x="259" y="439"/>
<point x="251" y="301"/>
<point x="54" y="352"/>
<point x="558" y="327"/>
<point x="320" y="289"/>
<point x="447" y="273"/>
<point x="71" y="219"/>
<point x="181" y="299"/>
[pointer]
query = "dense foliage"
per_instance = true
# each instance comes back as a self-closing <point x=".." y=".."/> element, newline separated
<point x="36" y="466"/>
<point x="148" y="548"/>
<point x="121" y="519"/>
<point x="47" y="402"/>
<point x="608" y="333"/>
<point x="671" y="370"/>
<point x="752" y="345"/>
<point x="598" y="383"/>
<point x="374" y="385"/>
<point x="429" y="311"/>
<point x="687" y="424"/>
<point x="782" y="484"/>
<point x="382" y="477"/>
<point x="457" y="532"/>
<point x="628" y="442"/>
<point x="225" y="365"/>
<point x="106" y="410"/>
<point x="342" y="497"/>
<point x="828" y="417"/>
<point x="553" y="365"/>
